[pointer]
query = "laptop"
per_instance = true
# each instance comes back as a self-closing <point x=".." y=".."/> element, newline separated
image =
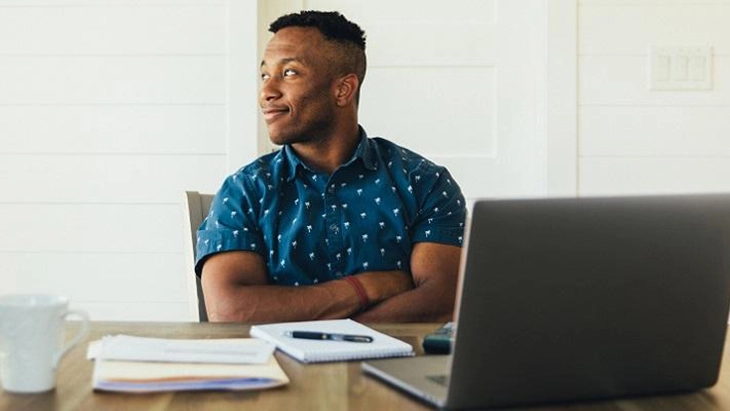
<point x="564" y="300"/>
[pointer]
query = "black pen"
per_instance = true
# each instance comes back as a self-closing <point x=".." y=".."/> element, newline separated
<point x="315" y="335"/>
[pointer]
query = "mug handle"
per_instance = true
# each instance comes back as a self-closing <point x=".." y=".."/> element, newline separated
<point x="77" y="338"/>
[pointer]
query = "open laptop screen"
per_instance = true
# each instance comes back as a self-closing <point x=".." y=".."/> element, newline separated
<point x="592" y="297"/>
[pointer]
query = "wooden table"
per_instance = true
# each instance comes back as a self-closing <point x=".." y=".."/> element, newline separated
<point x="331" y="386"/>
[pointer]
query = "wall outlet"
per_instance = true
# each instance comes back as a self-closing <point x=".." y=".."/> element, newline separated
<point x="680" y="68"/>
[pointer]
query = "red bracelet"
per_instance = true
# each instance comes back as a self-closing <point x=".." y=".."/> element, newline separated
<point x="359" y="290"/>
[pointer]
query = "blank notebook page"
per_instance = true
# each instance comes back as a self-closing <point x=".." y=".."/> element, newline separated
<point x="327" y="350"/>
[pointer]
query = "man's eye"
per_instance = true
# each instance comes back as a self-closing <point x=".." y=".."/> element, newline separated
<point x="289" y="72"/>
<point x="264" y="76"/>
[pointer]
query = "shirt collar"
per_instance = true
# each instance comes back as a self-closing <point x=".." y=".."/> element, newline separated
<point x="363" y="151"/>
<point x="291" y="159"/>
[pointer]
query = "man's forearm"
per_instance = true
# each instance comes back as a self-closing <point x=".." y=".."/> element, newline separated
<point x="273" y="303"/>
<point x="429" y="302"/>
<point x="434" y="269"/>
<point x="232" y="301"/>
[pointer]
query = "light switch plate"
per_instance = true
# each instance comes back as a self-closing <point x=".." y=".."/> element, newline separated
<point x="680" y="68"/>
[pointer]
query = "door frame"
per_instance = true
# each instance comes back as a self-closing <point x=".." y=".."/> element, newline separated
<point x="561" y="97"/>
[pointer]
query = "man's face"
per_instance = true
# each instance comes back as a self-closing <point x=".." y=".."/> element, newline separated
<point x="297" y="98"/>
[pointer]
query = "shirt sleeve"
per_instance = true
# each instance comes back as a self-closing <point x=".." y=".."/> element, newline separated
<point x="443" y="208"/>
<point x="231" y="224"/>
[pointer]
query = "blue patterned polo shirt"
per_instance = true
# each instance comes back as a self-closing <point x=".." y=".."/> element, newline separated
<point x="311" y="227"/>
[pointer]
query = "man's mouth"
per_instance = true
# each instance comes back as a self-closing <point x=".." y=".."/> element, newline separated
<point x="272" y="113"/>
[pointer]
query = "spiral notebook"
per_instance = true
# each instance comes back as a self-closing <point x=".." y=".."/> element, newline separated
<point x="308" y="351"/>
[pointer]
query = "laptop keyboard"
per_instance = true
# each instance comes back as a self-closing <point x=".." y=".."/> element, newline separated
<point x="439" y="379"/>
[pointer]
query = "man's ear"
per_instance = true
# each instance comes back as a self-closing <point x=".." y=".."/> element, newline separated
<point x="346" y="89"/>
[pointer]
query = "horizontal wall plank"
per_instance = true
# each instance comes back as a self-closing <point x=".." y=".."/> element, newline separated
<point x="634" y="3"/>
<point x="134" y="311"/>
<point x="658" y="23"/>
<point x="405" y="95"/>
<point x="115" y="29"/>
<point x="612" y="176"/>
<point x="163" y="129"/>
<point x="107" y="178"/>
<point x="622" y="80"/>
<point x="102" y="228"/>
<point x="107" y="3"/>
<point x="654" y="131"/>
<point x="112" y="80"/>
<point x="108" y="277"/>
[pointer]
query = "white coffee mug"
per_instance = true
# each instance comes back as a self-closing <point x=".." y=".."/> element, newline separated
<point x="31" y="340"/>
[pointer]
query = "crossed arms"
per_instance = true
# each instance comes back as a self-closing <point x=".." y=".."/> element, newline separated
<point x="236" y="288"/>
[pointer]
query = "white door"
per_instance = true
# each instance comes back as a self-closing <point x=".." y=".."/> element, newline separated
<point x="458" y="81"/>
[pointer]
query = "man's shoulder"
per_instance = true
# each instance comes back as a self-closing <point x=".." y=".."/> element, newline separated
<point x="409" y="159"/>
<point x="263" y="164"/>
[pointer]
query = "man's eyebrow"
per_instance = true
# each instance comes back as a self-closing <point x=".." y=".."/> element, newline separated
<point x="285" y="60"/>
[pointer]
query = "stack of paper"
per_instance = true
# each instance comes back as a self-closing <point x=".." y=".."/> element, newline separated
<point x="137" y="364"/>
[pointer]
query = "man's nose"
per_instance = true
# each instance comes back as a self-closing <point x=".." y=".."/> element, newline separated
<point x="269" y="91"/>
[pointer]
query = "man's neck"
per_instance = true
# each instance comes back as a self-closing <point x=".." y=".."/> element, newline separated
<point x="330" y="153"/>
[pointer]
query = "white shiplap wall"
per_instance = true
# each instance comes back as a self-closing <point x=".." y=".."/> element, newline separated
<point x="109" y="109"/>
<point x="632" y="140"/>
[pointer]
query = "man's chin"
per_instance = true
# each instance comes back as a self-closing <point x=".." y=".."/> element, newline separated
<point x="277" y="137"/>
<point x="281" y="139"/>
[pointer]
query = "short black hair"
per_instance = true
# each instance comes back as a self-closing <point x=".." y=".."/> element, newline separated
<point x="348" y="37"/>
<point x="333" y="26"/>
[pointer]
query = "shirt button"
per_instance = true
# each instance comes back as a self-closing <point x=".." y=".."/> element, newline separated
<point x="331" y="190"/>
<point x="338" y="274"/>
<point x="334" y="227"/>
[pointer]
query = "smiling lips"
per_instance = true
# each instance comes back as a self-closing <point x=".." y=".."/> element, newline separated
<point x="272" y="113"/>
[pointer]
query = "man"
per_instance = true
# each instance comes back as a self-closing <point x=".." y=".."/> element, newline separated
<point x="335" y="224"/>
